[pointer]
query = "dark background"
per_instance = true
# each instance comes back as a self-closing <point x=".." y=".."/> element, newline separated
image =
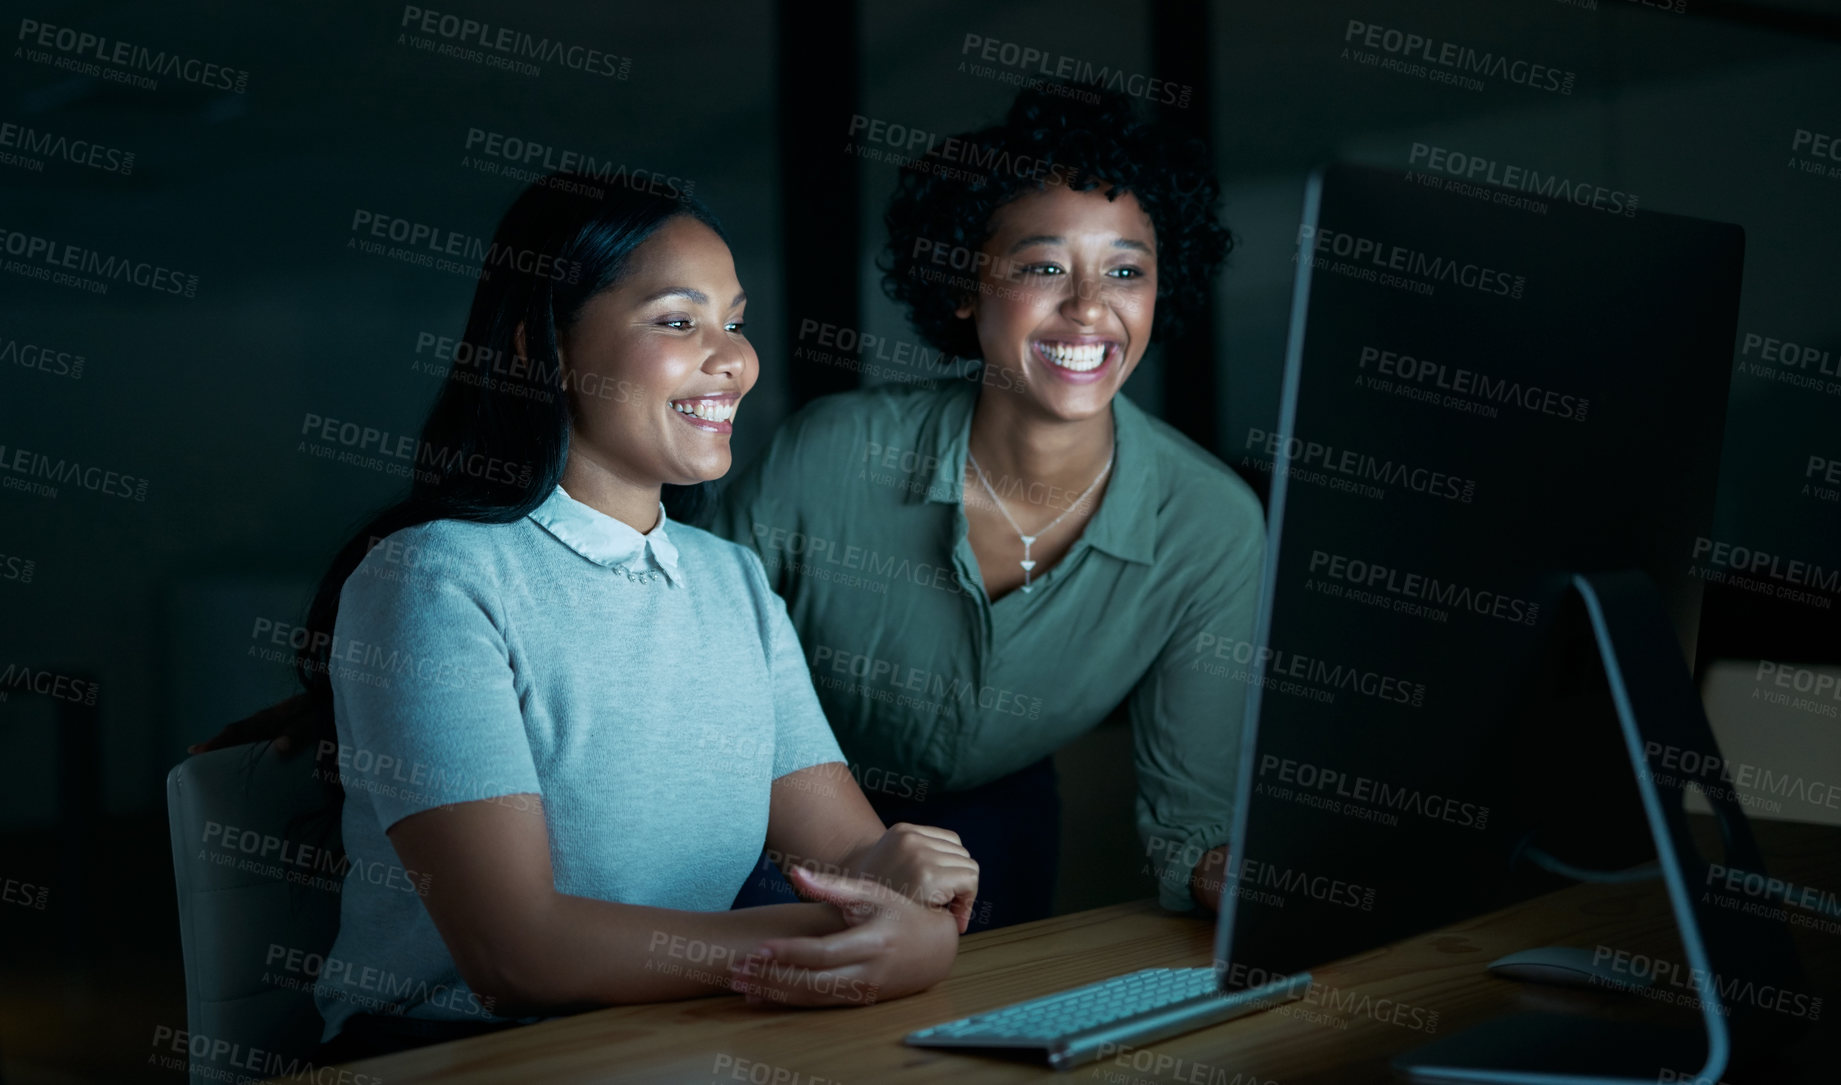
<point x="254" y="193"/>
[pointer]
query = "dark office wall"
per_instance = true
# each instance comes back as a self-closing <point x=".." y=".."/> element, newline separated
<point x="205" y="396"/>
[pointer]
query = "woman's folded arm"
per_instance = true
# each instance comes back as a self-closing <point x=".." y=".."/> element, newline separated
<point x="529" y="948"/>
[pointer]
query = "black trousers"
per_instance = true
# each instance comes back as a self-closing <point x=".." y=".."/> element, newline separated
<point x="1012" y="827"/>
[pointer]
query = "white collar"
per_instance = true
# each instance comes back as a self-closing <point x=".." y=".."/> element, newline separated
<point x="606" y="541"/>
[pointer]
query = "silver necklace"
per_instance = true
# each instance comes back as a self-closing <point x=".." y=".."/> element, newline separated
<point x="1028" y="563"/>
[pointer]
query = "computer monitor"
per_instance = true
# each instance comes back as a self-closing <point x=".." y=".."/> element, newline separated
<point x="1486" y="396"/>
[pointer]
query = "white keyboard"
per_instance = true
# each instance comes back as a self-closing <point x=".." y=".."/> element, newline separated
<point x="1085" y="1023"/>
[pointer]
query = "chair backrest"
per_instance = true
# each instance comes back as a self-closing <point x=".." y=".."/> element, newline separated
<point x="259" y="881"/>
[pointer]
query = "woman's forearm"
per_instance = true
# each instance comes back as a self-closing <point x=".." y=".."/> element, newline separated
<point x="580" y="951"/>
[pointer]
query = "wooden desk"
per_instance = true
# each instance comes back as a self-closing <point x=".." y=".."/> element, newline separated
<point x="1347" y="1040"/>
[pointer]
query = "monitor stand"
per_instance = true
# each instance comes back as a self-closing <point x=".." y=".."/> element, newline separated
<point x="1658" y="710"/>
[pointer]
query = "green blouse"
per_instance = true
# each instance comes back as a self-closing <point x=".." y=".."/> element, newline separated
<point x="854" y="508"/>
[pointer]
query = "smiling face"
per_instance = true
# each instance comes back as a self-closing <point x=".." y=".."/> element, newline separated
<point x="1066" y="297"/>
<point x="658" y="362"/>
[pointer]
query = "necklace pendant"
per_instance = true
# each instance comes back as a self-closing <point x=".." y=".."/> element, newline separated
<point x="1027" y="589"/>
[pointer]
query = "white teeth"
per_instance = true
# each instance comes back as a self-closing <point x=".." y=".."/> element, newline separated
<point x="707" y="409"/>
<point x="1082" y="358"/>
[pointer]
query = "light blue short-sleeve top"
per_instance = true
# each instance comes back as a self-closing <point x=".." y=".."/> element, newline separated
<point x="649" y="688"/>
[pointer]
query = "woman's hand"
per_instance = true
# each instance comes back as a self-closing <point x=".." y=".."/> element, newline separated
<point x="925" y="864"/>
<point x="890" y="946"/>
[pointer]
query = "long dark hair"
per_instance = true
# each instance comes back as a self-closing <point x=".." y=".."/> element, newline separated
<point x="495" y="441"/>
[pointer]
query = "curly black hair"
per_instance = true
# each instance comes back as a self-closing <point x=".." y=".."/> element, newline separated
<point x="1055" y="133"/>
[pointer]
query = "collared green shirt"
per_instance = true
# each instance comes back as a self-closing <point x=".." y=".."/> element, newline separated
<point x="854" y="508"/>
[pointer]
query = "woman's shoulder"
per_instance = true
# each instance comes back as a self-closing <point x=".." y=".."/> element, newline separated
<point x="1202" y="507"/>
<point x="713" y="564"/>
<point x="446" y="550"/>
<point x="1195" y="476"/>
<point x="705" y="553"/>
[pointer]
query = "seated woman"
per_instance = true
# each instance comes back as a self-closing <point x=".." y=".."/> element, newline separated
<point x="575" y="722"/>
<point x="983" y="569"/>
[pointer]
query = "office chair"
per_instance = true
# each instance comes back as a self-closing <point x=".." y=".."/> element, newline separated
<point x="242" y="893"/>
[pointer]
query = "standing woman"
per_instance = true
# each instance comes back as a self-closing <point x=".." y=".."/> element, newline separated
<point x="982" y="569"/>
